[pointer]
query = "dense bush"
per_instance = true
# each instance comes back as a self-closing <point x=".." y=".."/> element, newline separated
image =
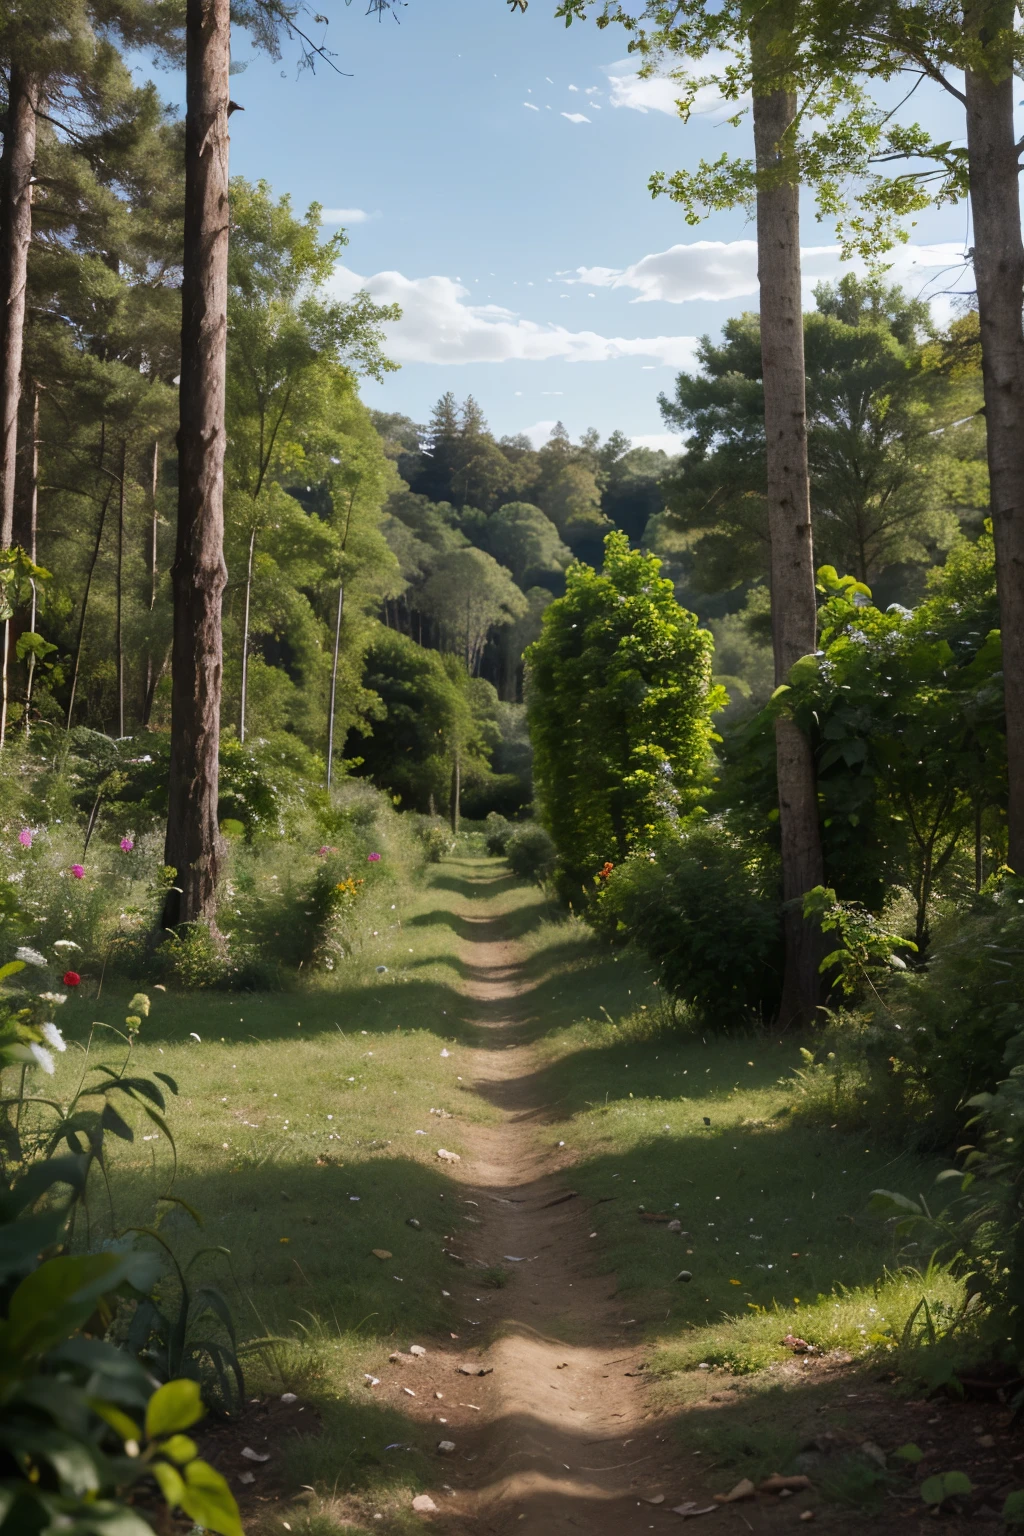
<point x="705" y="908"/>
<point x="531" y="853"/>
<point x="498" y="831"/>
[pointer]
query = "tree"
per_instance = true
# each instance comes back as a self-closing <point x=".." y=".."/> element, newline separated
<point x="467" y="596"/>
<point x="620" y="700"/>
<point x="286" y="341"/>
<point x="526" y="542"/>
<point x="892" y="442"/>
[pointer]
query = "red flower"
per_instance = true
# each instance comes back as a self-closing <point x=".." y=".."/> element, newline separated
<point x="71" y="978"/>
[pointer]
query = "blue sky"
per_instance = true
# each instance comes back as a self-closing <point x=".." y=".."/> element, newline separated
<point x="491" y="170"/>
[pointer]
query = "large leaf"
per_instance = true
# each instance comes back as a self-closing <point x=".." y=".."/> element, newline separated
<point x="57" y="1298"/>
<point x="21" y="1242"/>
<point x="39" y="1180"/>
<point x="209" y="1500"/>
<point x="175" y="1406"/>
<point x="73" y="1460"/>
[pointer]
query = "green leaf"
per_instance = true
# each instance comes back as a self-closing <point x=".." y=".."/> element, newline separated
<point x="209" y="1500"/>
<point x="174" y="1406"/>
<point x="180" y="1449"/>
<point x="112" y="1121"/>
<point x="957" y="1482"/>
<point x="910" y="1452"/>
<point x="933" y="1489"/>
<point x="1013" y="1508"/>
<point x="172" y="1485"/>
<point x="11" y="969"/>
<point x="118" y="1420"/>
<point x="886" y="1202"/>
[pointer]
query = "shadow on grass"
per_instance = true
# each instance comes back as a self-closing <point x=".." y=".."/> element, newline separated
<point x="485" y="927"/>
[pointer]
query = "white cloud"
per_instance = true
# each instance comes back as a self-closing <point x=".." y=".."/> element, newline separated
<point x="668" y="442"/>
<point x="576" y="117"/>
<point x="658" y="93"/>
<point x="720" y="269"/>
<point x="531" y="106"/>
<point x="574" y="87"/>
<point x="346" y="216"/>
<point x="539" y="432"/>
<point x="438" y="325"/>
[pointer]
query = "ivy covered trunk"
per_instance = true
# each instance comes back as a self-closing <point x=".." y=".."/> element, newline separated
<point x="794" y="607"/>
<point x="999" y="275"/>
<point x="199" y="575"/>
<point x="19" y="155"/>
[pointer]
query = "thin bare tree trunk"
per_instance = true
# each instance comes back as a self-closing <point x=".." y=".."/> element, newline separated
<point x="119" y="614"/>
<point x="456" y="791"/>
<point x="245" y="635"/>
<point x="33" y="534"/>
<point x="15" y="236"/>
<point x="85" y="604"/>
<point x="794" y="608"/>
<point x="337" y="637"/>
<point x="992" y="155"/>
<point x="199" y="574"/>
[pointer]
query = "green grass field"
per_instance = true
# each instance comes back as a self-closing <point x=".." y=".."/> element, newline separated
<point x="305" y="1139"/>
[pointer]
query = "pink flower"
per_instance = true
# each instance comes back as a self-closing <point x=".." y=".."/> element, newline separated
<point x="78" y="870"/>
<point x="127" y="844"/>
<point x="25" y="837"/>
<point x="325" y="850"/>
<point x="373" y="858"/>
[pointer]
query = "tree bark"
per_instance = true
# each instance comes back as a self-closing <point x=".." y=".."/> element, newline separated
<point x="33" y="539"/>
<point x="199" y="574"/>
<point x="794" y="606"/>
<point x="15" y="235"/>
<point x="119" y="610"/>
<point x="999" y="276"/>
<point x="85" y="604"/>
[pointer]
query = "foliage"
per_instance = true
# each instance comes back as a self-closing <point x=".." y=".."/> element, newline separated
<point x="620" y="703"/>
<point x="864" y="950"/>
<point x="704" y="907"/>
<point x="530" y="853"/>
<point x="893" y="442"/>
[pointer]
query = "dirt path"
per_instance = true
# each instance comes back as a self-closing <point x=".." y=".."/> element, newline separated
<point x="561" y="1436"/>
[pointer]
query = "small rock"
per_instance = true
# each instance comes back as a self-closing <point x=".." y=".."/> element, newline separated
<point x="807" y="1514"/>
<point x="412" y="1222"/>
<point x="246" y="1477"/>
<point x="675" y="1226"/>
<point x="288" y="1397"/>
<point x="408" y="1391"/>
<point x="251" y="1455"/>
<point x="416" y="1349"/>
<point x="448" y="1157"/>
<point x="986" y="1441"/>
<point x="423" y="1504"/>
<point x="656" y="1498"/>
<point x="684" y="1274"/>
<point x="381" y="1253"/>
<point x="873" y="1452"/>
<point x="371" y="1381"/>
<point x="475" y="1370"/>
<point x="445" y="1447"/>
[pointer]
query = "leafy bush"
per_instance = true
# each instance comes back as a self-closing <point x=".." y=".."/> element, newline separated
<point x="437" y="838"/>
<point x="705" y="908"/>
<point x="531" y="853"/>
<point x="498" y="831"/>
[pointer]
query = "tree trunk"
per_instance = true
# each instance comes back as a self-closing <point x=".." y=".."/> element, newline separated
<point x="15" y="235"/>
<point x="334" y="682"/>
<point x="794" y="607"/>
<point x="33" y="535"/>
<point x="999" y="277"/>
<point x="119" y="610"/>
<point x="150" y="684"/>
<point x="199" y="574"/>
<point x="456" y="791"/>
<point x="245" y="634"/>
<point x="85" y="604"/>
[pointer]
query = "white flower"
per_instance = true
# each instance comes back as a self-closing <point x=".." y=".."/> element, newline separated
<point x="30" y="956"/>
<point x="55" y="998"/>
<point x="65" y="944"/>
<point x="194" y="1036"/>
<point x="53" y="1036"/>
<point x="43" y="1058"/>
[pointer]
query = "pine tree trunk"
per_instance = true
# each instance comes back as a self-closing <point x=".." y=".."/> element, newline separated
<point x="199" y="574"/>
<point x="794" y="608"/>
<point x="119" y="611"/>
<point x="245" y="635"/>
<point x="999" y="276"/>
<point x="33" y="535"/>
<point x="15" y="235"/>
<point x="85" y="605"/>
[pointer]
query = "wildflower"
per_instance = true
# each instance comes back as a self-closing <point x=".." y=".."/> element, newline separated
<point x="127" y="844"/>
<point x="29" y="956"/>
<point x="52" y="1035"/>
<point x="55" y="999"/>
<point x="325" y="850"/>
<point x="373" y="858"/>
<point x="71" y="978"/>
<point x="25" y="837"/>
<point x="78" y="870"/>
<point x="42" y="1058"/>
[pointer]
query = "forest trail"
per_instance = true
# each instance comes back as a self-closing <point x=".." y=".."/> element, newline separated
<point x="562" y="1435"/>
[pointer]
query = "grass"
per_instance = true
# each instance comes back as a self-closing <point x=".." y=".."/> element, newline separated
<point x="298" y="1134"/>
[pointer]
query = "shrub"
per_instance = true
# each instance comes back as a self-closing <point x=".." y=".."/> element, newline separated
<point x="705" y="908"/>
<point x="531" y="853"/>
<point x="192" y="958"/>
<point x="437" y="838"/>
<point x="497" y="833"/>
